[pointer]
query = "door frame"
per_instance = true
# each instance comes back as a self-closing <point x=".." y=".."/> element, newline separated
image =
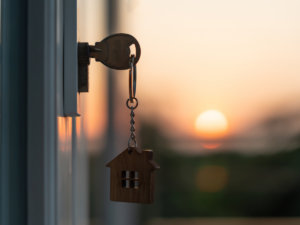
<point x="13" y="104"/>
<point x="41" y="112"/>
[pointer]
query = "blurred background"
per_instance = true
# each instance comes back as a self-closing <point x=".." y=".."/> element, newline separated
<point x="218" y="87"/>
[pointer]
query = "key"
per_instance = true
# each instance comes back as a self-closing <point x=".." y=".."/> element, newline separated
<point x="114" y="51"/>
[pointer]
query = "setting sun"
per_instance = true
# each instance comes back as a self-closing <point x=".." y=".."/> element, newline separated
<point x="211" y="124"/>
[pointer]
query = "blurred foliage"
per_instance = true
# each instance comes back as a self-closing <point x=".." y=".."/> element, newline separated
<point x="256" y="186"/>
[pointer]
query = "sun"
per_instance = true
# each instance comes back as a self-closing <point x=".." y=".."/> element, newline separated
<point x="211" y="124"/>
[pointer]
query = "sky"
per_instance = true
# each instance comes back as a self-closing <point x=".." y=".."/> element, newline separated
<point x="238" y="57"/>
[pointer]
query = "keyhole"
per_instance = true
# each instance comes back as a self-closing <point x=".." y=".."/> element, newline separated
<point x="132" y="50"/>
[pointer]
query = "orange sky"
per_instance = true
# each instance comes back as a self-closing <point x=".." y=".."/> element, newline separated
<point x="238" y="57"/>
<point x="93" y="104"/>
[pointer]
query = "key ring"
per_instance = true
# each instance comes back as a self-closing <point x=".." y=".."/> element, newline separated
<point x="136" y="104"/>
<point x="132" y="79"/>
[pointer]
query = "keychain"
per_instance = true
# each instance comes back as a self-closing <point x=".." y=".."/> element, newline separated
<point x="132" y="172"/>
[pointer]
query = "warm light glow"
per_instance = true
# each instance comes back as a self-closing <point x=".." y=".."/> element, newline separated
<point x="211" y="124"/>
<point x="210" y="145"/>
<point x="64" y="127"/>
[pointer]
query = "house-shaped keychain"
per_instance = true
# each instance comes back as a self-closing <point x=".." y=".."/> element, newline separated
<point x="132" y="176"/>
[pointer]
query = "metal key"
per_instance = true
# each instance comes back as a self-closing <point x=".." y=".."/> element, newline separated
<point x="113" y="51"/>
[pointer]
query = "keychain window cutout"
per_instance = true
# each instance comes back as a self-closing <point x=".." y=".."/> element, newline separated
<point x="134" y="175"/>
<point x="125" y="183"/>
<point x="130" y="181"/>
<point x="133" y="184"/>
<point x="125" y="174"/>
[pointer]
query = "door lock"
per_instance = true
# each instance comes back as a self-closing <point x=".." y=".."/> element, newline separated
<point x="113" y="51"/>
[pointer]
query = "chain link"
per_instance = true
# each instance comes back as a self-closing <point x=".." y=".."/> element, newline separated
<point x="132" y="122"/>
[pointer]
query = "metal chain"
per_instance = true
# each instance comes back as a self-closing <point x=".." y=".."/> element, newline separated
<point x="132" y="91"/>
<point x="132" y="122"/>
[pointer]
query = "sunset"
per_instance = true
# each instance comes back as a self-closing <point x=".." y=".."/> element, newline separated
<point x="211" y="124"/>
<point x="150" y="112"/>
<point x="218" y="89"/>
<point x="239" y="57"/>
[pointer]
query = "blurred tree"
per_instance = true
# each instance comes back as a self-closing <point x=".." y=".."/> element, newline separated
<point x="250" y="186"/>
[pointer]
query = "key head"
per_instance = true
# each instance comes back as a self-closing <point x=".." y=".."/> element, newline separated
<point x="115" y="51"/>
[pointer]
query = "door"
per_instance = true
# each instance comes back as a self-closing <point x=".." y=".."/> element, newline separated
<point x="56" y="151"/>
<point x="43" y="157"/>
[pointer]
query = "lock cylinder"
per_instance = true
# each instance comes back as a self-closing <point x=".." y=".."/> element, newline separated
<point x="83" y="67"/>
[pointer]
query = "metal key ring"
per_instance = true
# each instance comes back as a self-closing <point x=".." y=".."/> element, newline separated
<point x="131" y="107"/>
<point x="132" y="79"/>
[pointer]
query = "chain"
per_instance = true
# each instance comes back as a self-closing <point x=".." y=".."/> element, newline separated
<point x="132" y="91"/>
<point x="132" y="122"/>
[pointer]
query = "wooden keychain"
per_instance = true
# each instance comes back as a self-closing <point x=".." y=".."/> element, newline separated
<point x="132" y="172"/>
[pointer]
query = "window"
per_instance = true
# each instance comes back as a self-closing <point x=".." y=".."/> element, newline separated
<point x="130" y="179"/>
